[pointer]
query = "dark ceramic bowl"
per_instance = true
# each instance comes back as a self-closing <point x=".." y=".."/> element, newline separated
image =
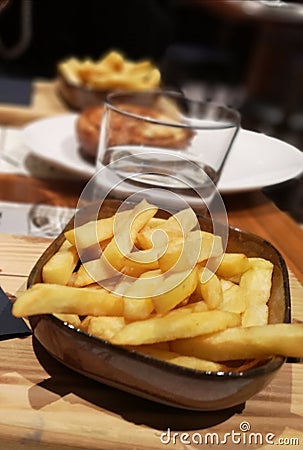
<point x="79" y="97"/>
<point x="156" y="380"/>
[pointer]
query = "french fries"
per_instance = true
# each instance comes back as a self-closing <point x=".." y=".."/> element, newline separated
<point x="112" y="71"/>
<point x="151" y="290"/>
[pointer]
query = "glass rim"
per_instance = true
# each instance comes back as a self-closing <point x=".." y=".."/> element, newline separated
<point x="232" y="122"/>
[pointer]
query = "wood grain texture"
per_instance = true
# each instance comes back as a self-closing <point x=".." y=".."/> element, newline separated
<point x="47" y="406"/>
<point x="253" y="212"/>
<point x="18" y="255"/>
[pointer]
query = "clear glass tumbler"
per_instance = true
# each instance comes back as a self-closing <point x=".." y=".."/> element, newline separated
<point x="164" y="139"/>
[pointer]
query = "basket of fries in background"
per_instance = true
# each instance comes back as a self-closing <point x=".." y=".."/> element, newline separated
<point x="146" y="321"/>
<point x="86" y="82"/>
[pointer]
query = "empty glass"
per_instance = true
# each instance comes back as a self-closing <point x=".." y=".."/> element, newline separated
<point x="165" y="140"/>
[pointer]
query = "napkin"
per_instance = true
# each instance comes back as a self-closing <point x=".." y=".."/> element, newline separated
<point x="10" y="326"/>
<point x="15" y="91"/>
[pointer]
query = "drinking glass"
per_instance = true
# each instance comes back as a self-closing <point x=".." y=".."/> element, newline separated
<point x="163" y="147"/>
<point x="163" y="139"/>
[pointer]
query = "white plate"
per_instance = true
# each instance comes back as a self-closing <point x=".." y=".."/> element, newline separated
<point x="255" y="160"/>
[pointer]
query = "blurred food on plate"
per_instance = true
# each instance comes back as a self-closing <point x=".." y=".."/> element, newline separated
<point x="131" y="130"/>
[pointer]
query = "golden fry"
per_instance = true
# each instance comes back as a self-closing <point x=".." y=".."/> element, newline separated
<point x="174" y="326"/>
<point x="232" y="301"/>
<point x="185" y="361"/>
<point x="105" y="327"/>
<point x="91" y="232"/>
<point x="238" y="343"/>
<point x="209" y="288"/>
<point x="44" y="298"/>
<point x="61" y="265"/>
<point x="255" y="287"/>
<point x="232" y="264"/>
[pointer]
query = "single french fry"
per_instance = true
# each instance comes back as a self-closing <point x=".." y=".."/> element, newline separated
<point x="91" y="232"/>
<point x="255" y="315"/>
<point x="256" y="282"/>
<point x="255" y="287"/>
<point x="236" y="343"/>
<point x="60" y="266"/>
<point x="232" y="301"/>
<point x="44" y="298"/>
<point x="180" y="360"/>
<point x="209" y="288"/>
<point x="172" y="326"/>
<point x="137" y="308"/>
<point x="105" y="327"/>
<point x="232" y="264"/>
<point x="197" y="363"/>
<point x="96" y="231"/>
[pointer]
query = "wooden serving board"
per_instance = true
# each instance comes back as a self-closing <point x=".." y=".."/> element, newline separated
<point x="44" y="405"/>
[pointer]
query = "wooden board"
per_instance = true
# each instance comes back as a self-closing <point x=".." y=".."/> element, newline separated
<point x="47" y="406"/>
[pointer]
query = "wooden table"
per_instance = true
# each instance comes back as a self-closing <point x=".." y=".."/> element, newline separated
<point x="44" y="405"/>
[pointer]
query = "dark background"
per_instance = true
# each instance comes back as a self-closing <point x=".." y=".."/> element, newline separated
<point x="139" y="28"/>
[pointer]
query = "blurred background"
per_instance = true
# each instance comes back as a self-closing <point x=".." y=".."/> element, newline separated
<point x="246" y="54"/>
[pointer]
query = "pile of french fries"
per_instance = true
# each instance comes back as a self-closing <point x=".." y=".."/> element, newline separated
<point x="163" y="287"/>
<point x="112" y="71"/>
